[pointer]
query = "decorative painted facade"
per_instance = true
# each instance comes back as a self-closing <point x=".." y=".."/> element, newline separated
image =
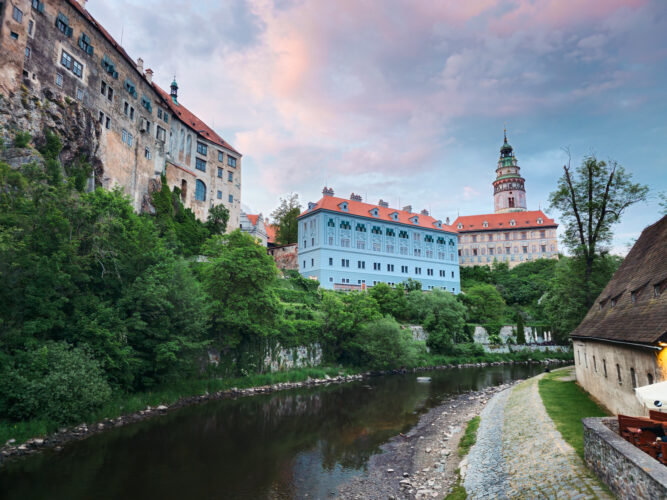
<point x="349" y="244"/>
<point x="511" y="234"/>
<point x="55" y="51"/>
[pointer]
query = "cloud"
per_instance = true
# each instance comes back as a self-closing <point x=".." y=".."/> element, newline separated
<point x="393" y="93"/>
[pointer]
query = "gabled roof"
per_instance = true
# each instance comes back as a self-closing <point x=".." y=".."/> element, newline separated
<point x="359" y="208"/>
<point x="271" y="230"/>
<point x="637" y="315"/>
<point x="191" y="120"/>
<point x="252" y="218"/>
<point x="496" y="222"/>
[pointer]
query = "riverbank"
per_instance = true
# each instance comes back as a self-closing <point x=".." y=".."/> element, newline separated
<point x="422" y="463"/>
<point x="63" y="435"/>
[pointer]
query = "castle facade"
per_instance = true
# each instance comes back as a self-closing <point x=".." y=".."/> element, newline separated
<point x="54" y="50"/>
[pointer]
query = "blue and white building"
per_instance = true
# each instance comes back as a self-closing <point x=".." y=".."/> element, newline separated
<point x="348" y="244"/>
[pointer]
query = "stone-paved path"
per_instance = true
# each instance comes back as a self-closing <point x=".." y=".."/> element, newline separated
<point x="520" y="454"/>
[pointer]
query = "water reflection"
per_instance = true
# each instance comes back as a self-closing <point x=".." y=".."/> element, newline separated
<point x="285" y="445"/>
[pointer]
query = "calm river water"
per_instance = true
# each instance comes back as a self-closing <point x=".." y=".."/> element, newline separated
<point x="300" y="443"/>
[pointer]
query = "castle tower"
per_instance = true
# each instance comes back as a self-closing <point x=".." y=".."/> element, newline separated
<point x="509" y="193"/>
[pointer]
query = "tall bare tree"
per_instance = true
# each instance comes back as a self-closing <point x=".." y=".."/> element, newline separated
<point x="591" y="199"/>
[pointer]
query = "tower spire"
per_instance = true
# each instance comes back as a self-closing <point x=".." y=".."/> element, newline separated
<point x="509" y="193"/>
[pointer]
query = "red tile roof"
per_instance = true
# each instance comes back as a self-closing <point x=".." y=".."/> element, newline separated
<point x="497" y="222"/>
<point x="253" y="218"/>
<point x="271" y="230"/>
<point x="183" y="113"/>
<point x="191" y="120"/>
<point x="332" y="203"/>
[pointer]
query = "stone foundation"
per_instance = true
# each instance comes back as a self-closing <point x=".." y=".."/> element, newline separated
<point x="628" y="471"/>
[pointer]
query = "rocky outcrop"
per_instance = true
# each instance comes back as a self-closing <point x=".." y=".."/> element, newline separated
<point x="28" y="112"/>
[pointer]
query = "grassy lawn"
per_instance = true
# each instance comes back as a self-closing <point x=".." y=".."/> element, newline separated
<point x="566" y="403"/>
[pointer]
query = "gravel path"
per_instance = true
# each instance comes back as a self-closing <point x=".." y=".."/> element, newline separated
<point x="520" y="454"/>
<point x="487" y="454"/>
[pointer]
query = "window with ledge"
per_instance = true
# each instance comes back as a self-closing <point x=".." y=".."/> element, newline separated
<point x="230" y="176"/>
<point x="231" y="198"/>
<point x="200" y="191"/>
<point x="220" y="156"/>
<point x="220" y="195"/>
<point x="202" y="148"/>
<point x="17" y="15"/>
<point x="84" y="44"/>
<point x="59" y="80"/>
<point x="220" y="172"/>
<point x="200" y="164"/>
<point x="231" y="161"/>
<point x="147" y="153"/>
<point x="62" y="23"/>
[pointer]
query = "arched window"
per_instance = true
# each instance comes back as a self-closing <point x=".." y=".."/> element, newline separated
<point x="200" y="191"/>
<point x="184" y="190"/>
<point x="182" y="145"/>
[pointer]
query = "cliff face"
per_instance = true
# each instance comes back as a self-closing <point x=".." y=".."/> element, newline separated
<point x="28" y="112"/>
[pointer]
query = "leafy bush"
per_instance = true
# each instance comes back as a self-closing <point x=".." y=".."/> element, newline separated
<point x="55" y="381"/>
<point x="22" y="139"/>
<point x="383" y="344"/>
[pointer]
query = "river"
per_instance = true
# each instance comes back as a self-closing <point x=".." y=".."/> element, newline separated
<point x="300" y="443"/>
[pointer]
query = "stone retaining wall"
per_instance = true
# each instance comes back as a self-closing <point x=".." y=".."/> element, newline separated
<point x="500" y="348"/>
<point x="628" y="471"/>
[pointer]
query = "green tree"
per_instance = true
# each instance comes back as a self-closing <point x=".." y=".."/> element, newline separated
<point x="343" y="315"/>
<point x="591" y="200"/>
<point x="485" y="304"/>
<point x="390" y="300"/>
<point x="239" y="279"/>
<point x="53" y="381"/>
<point x="285" y="217"/>
<point x="383" y="344"/>
<point x="165" y="318"/>
<point x="444" y="321"/>
<point x="565" y="302"/>
<point x="218" y="217"/>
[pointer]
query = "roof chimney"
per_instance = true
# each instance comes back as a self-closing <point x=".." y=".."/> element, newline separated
<point x="407" y="208"/>
<point x="447" y="221"/>
<point x="356" y="197"/>
<point x="140" y="65"/>
<point x="328" y="191"/>
<point x="383" y="203"/>
<point x="424" y="212"/>
<point x="149" y="75"/>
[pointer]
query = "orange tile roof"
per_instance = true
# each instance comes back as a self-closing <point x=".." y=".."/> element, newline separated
<point x="191" y="120"/>
<point x="527" y="219"/>
<point x="359" y="208"/>
<point x="253" y="218"/>
<point x="271" y="230"/>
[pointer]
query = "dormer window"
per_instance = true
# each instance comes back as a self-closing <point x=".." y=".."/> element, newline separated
<point x="311" y="205"/>
<point x="459" y="226"/>
<point x="374" y="212"/>
<point x="394" y="215"/>
<point x="540" y="220"/>
<point x="343" y="206"/>
<point x="485" y="224"/>
<point x="512" y="222"/>
<point x="438" y="224"/>
<point x="414" y="220"/>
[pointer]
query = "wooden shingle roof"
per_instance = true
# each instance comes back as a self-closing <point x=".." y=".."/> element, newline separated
<point x="633" y="305"/>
